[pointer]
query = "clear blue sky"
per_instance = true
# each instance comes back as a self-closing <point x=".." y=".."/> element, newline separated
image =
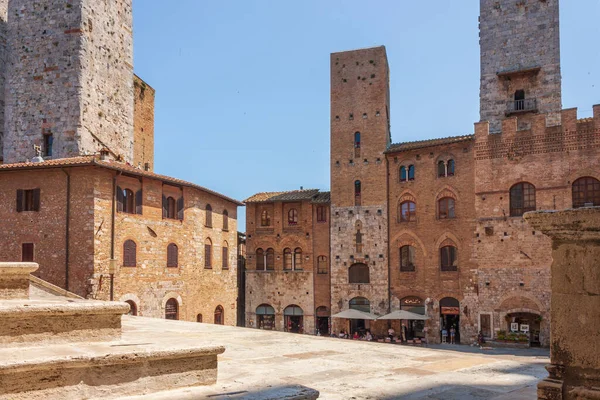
<point x="242" y="101"/>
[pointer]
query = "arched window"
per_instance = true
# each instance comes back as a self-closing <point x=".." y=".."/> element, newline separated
<point x="293" y="217"/>
<point x="171" y="207"/>
<point x="360" y="304"/>
<point x="298" y="259"/>
<point x="270" y="259"/>
<point x="219" y="315"/>
<point x="411" y="172"/>
<point x="172" y="256"/>
<point x="129" y="253"/>
<point x="132" y="307"/>
<point x="225" y="256"/>
<point x="358" y="273"/>
<point x="358" y="240"/>
<point x="322" y="267"/>
<point x="403" y="175"/>
<point x="441" y="169"/>
<point x="199" y="318"/>
<point x="260" y="260"/>
<point x="407" y="211"/>
<point x="225" y="220"/>
<point x="450" y="171"/>
<point x="208" y="253"/>
<point x="586" y="192"/>
<point x="287" y="259"/>
<point x="407" y="259"/>
<point x="357" y="140"/>
<point x="449" y="258"/>
<point x="265" y="218"/>
<point x="446" y="208"/>
<point x="172" y="309"/>
<point x="208" y="216"/>
<point x="265" y="317"/>
<point x="522" y="199"/>
<point x="357" y="193"/>
<point x="293" y="319"/>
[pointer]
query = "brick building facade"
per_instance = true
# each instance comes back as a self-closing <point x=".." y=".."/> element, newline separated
<point x="436" y="226"/>
<point x="78" y="191"/>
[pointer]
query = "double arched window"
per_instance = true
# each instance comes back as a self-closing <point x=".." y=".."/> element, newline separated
<point x="172" y="256"/>
<point x="292" y="260"/>
<point x="407" y="259"/>
<point x="445" y="168"/>
<point x="358" y="273"/>
<point x="407" y="211"/>
<point x="407" y="173"/>
<point x="449" y="258"/>
<point x="522" y="199"/>
<point x="446" y="208"/>
<point x="586" y="192"/>
<point x="293" y="217"/>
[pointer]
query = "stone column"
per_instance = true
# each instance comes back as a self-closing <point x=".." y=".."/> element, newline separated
<point x="574" y="372"/>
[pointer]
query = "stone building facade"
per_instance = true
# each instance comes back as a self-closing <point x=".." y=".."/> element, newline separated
<point x="439" y="223"/>
<point x="79" y="195"/>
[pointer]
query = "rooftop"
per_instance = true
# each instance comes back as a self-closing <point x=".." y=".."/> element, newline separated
<point x="294" y="195"/>
<point x="84" y="161"/>
<point x="404" y="146"/>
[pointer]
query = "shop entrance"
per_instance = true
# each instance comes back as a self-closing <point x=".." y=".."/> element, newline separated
<point x="450" y="317"/>
<point x="322" y="321"/>
<point x="293" y="319"/>
<point x="265" y="317"/>
<point x="414" y="329"/>
<point x="359" y="325"/>
<point x="525" y="323"/>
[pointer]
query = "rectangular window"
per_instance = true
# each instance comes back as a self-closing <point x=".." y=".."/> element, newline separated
<point x="225" y="258"/>
<point x="48" y="140"/>
<point x="207" y="256"/>
<point x="28" y="200"/>
<point x="321" y="214"/>
<point x="27" y="252"/>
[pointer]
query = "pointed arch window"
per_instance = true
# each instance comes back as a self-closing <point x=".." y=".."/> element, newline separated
<point x="357" y="193"/>
<point x="522" y="199"/>
<point x="293" y="217"/>
<point x="219" y="315"/>
<point x="407" y="212"/>
<point x="265" y="218"/>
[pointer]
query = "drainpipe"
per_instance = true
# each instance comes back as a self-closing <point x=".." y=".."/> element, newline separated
<point x="113" y="261"/>
<point x="67" y="218"/>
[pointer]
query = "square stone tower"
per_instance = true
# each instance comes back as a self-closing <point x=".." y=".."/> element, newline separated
<point x="69" y="78"/>
<point x="360" y="135"/>
<point x="520" y="61"/>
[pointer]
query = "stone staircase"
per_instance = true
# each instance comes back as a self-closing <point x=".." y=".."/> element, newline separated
<point x="63" y="347"/>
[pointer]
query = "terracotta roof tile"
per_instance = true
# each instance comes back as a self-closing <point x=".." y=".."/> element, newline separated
<point x="114" y="165"/>
<point x="395" y="147"/>
<point x="293" y="195"/>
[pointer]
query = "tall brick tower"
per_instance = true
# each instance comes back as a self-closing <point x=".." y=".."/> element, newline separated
<point x="70" y="78"/>
<point x="520" y="61"/>
<point x="359" y="137"/>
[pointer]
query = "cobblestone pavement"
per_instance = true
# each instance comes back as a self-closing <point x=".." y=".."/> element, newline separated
<point x="261" y="361"/>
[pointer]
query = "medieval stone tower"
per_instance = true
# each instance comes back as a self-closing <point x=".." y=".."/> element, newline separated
<point x="520" y="61"/>
<point x="359" y="137"/>
<point x="69" y="79"/>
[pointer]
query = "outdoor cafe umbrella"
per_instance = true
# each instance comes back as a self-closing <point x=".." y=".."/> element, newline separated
<point x="354" y="314"/>
<point x="403" y="314"/>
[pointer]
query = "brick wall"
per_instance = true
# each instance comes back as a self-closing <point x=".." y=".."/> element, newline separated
<point x="143" y="124"/>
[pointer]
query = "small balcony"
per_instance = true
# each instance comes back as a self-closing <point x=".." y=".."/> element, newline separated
<point x="521" y="106"/>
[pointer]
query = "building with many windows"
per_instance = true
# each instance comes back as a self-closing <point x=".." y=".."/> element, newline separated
<point x="436" y="226"/>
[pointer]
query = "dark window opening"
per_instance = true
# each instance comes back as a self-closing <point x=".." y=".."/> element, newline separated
<point x="208" y="254"/>
<point x="522" y="199"/>
<point x="450" y="171"/>
<point x="519" y="100"/>
<point x="586" y="192"/>
<point x="208" y="216"/>
<point x="403" y="176"/>
<point x="449" y="258"/>
<point x="27" y="252"/>
<point x="260" y="260"/>
<point x="129" y="253"/>
<point x="411" y="172"/>
<point x="219" y="315"/>
<point x="357" y="193"/>
<point x="132" y="307"/>
<point x="225" y="256"/>
<point x="172" y="256"/>
<point x="28" y="200"/>
<point x="48" y="140"/>
<point x="172" y="309"/>
<point x="358" y="273"/>
<point x="441" y="169"/>
<point x="407" y="259"/>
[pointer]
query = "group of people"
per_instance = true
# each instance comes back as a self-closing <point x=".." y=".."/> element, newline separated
<point x="452" y="335"/>
<point x="356" y="335"/>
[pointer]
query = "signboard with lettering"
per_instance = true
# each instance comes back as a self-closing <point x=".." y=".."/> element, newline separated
<point x="450" y="311"/>
<point x="411" y="301"/>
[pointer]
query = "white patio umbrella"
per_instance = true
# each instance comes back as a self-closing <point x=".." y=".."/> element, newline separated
<point x="403" y="314"/>
<point x="354" y="314"/>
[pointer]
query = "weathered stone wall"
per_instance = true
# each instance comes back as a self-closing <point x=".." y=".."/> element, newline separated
<point x="428" y="233"/>
<point x="519" y="35"/>
<point x="143" y="125"/>
<point x="3" y="62"/>
<point x="69" y="74"/>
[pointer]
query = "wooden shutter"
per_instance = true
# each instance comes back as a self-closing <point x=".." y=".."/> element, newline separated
<point x="225" y="256"/>
<point x="36" y="199"/>
<point x="120" y="199"/>
<point x="19" y="200"/>
<point x="180" y="208"/>
<point x="138" y="202"/>
<point x="27" y="252"/>
<point x="172" y="256"/>
<point x="165" y="205"/>
<point x="129" y="254"/>
<point x="207" y="256"/>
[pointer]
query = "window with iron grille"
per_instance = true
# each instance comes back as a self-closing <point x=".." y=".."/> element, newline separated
<point x="522" y="199"/>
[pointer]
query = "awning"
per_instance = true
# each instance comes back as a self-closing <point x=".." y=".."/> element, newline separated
<point x="354" y="314"/>
<point x="403" y="314"/>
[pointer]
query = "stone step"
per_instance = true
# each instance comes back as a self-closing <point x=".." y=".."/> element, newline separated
<point x="59" y="321"/>
<point x="104" y="369"/>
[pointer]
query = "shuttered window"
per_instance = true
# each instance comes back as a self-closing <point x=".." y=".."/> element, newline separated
<point x="208" y="216"/>
<point x="128" y="202"/>
<point x="225" y="256"/>
<point x="27" y="252"/>
<point x="172" y="208"/>
<point x="28" y="200"/>
<point x="172" y="256"/>
<point x="208" y="254"/>
<point x="129" y="253"/>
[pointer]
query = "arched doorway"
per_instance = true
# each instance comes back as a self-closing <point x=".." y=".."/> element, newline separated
<point x="413" y="304"/>
<point x="359" y="325"/>
<point x="450" y="317"/>
<point x="219" y="315"/>
<point x="199" y="318"/>
<point x="132" y="307"/>
<point x="323" y="321"/>
<point x="526" y="323"/>
<point x="172" y="309"/>
<point x="293" y="319"/>
<point x="265" y="317"/>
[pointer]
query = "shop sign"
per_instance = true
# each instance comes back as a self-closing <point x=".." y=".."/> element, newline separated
<point x="524" y="328"/>
<point x="411" y="301"/>
<point x="514" y="327"/>
<point x="450" y="311"/>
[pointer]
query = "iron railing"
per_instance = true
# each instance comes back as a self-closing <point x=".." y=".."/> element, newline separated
<point x="519" y="106"/>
